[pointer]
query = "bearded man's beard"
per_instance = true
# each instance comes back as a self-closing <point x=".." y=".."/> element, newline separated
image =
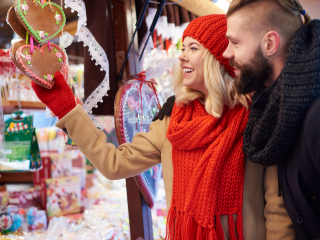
<point x="254" y="75"/>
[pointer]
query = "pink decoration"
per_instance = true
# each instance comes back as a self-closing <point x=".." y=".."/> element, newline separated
<point x="31" y="43"/>
<point x="133" y="105"/>
<point x="41" y="34"/>
<point x="28" y="58"/>
<point x="49" y="77"/>
<point x="57" y="17"/>
<point x="58" y="54"/>
<point x="49" y="45"/>
<point x="24" y="7"/>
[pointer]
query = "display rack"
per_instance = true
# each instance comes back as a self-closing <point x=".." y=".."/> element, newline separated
<point x="16" y="177"/>
<point x="9" y="106"/>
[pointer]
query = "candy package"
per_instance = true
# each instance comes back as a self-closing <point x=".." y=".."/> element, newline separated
<point x="21" y="145"/>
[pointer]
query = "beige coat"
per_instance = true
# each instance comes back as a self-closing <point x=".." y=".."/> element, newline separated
<point x="260" y="221"/>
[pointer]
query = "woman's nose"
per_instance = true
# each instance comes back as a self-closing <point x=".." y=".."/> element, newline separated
<point x="183" y="57"/>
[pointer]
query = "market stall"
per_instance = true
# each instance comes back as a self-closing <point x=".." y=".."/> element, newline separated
<point x="117" y="58"/>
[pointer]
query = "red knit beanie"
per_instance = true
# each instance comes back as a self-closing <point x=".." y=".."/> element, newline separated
<point x="210" y="31"/>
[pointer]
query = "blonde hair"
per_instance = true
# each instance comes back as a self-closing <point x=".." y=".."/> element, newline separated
<point x="218" y="82"/>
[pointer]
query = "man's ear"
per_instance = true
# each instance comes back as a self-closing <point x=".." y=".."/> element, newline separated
<point x="271" y="42"/>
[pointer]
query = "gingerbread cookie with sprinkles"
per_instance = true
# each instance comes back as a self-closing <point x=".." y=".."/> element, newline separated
<point x="43" y="21"/>
<point x="40" y="64"/>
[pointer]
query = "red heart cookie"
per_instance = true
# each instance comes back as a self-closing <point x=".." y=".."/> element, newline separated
<point x="41" y="65"/>
<point x="15" y="24"/>
<point x="42" y="21"/>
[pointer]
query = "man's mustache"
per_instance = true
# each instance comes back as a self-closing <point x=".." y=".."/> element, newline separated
<point x="234" y="63"/>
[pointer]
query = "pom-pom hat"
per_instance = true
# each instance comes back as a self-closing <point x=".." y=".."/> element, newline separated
<point x="210" y="31"/>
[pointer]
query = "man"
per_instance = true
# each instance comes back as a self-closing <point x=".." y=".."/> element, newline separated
<point x="275" y="49"/>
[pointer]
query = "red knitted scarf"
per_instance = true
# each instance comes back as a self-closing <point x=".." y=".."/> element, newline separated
<point x="208" y="172"/>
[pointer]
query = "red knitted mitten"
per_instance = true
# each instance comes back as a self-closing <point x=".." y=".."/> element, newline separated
<point x="59" y="99"/>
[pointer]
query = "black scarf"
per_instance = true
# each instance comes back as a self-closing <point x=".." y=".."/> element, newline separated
<point x="274" y="123"/>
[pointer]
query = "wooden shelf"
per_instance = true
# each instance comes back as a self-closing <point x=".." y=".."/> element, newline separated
<point x="16" y="177"/>
<point x="9" y="106"/>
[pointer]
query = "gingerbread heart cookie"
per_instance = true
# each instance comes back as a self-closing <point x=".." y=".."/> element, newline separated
<point x="41" y="65"/>
<point x="42" y="21"/>
<point x="15" y="24"/>
<point x="13" y="49"/>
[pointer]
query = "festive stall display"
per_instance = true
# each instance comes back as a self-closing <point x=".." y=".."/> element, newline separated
<point x="61" y="181"/>
<point x="40" y="63"/>
<point x="21" y="145"/>
<point x="62" y="195"/>
<point x="61" y="164"/>
<point x="105" y="217"/>
<point x="36" y="219"/>
<point x="18" y="212"/>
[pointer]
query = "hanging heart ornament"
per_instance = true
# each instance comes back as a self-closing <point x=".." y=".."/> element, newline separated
<point x="41" y="64"/>
<point x="132" y="116"/>
<point x="42" y="21"/>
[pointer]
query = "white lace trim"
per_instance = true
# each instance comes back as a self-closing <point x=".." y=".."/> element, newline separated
<point x="95" y="50"/>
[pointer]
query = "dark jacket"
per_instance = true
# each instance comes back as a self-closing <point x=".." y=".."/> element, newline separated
<point x="284" y="129"/>
<point x="299" y="177"/>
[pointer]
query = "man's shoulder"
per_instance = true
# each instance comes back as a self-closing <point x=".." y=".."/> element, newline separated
<point x="313" y="114"/>
<point x="311" y="131"/>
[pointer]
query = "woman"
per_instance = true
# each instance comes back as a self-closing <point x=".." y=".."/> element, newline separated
<point x="199" y="146"/>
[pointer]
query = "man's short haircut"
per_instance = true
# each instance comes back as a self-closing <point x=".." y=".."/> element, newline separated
<point x="283" y="16"/>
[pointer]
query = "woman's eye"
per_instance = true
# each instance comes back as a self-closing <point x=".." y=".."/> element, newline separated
<point x="194" y="49"/>
<point x="182" y="49"/>
<point x="234" y="43"/>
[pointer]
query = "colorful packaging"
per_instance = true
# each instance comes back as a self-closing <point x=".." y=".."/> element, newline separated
<point x="43" y="173"/>
<point x="4" y="200"/>
<point x="21" y="146"/>
<point x="36" y="219"/>
<point x="62" y="195"/>
<point x="61" y="165"/>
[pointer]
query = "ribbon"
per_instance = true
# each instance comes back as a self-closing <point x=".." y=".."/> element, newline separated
<point x="31" y="43"/>
<point x="27" y="35"/>
<point x="50" y="3"/>
<point x="142" y="78"/>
